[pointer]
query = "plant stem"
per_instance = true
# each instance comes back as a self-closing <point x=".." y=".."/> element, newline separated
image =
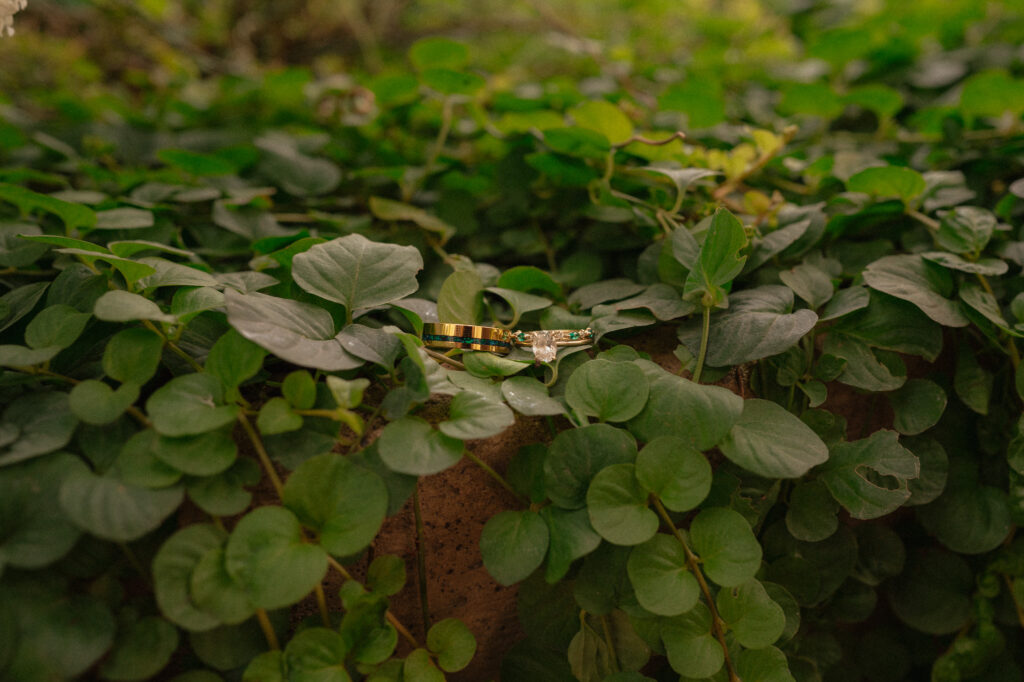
<point x="321" y="601"/>
<point x="395" y="623"/>
<point x="1016" y="604"/>
<point x="444" y="359"/>
<point x="925" y="220"/>
<point x="261" y="451"/>
<point x="717" y="625"/>
<point x="704" y="333"/>
<point x="421" y="558"/>
<point x="175" y="348"/>
<point x="496" y="476"/>
<point x="268" y="629"/>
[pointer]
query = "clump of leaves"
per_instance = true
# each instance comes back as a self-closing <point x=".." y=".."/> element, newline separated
<point x="241" y="313"/>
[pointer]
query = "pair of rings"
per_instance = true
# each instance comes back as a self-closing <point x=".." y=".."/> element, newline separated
<point x="544" y="343"/>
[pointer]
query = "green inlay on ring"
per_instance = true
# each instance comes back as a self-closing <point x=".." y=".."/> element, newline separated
<point x="466" y="339"/>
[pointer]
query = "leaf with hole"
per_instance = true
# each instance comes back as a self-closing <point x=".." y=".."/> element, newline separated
<point x="869" y="476"/>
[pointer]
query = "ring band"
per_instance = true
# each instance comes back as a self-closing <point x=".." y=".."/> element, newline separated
<point x="558" y="337"/>
<point x="467" y="336"/>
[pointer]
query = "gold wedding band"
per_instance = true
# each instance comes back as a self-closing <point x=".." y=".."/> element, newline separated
<point x="467" y="336"/>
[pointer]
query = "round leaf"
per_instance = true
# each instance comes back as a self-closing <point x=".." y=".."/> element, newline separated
<point x="763" y="665"/>
<point x="190" y="405"/>
<point x="453" y="644"/>
<point x="214" y="591"/>
<point x="94" y="402"/>
<point x="132" y="355"/>
<point x="770" y="442"/>
<point x="358" y="273"/>
<point x="473" y="415"/>
<point x="673" y="470"/>
<point x="267" y="555"/>
<point x="692" y="650"/>
<point x="812" y="514"/>
<point x="730" y="554"/>
<point x="571" y="537"/>
<point x="577" y="455"/>
<point x="968" y="519"/>
<point x="411" y="446"/>
<point x="42" y="422"/>
<point x="917" y="406"/>
<point x="617" y="505"/>
<point x="345" y="503"/>
<point x="888" y="181"/>
<point x="661" y="577"/>
<point x="317" y="654"/>
<point x="173" y="566"/>
<point x="141" y="651"/>
<point x="933" y="594"/>
<point x="124" y="306"/>
<point x="204" y="455"/>
<point x="110" y="509"/>
<point x="610" y="391"/>
<point x="701" y="415"/>
<point x="513" y="545"/>
<point x="529" y="397"/>
<point x="751" y="615"/>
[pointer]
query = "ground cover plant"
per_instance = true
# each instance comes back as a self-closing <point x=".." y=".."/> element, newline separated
<point x="793" y="452"/>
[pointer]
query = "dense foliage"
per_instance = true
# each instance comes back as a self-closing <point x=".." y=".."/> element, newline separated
<point x="214" y="390"/>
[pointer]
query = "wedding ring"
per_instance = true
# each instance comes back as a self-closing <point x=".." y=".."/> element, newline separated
<point x="544" y="343"/>
<point x="467" y="336"/>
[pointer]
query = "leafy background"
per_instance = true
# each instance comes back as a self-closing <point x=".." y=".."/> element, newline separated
<point x="793" y="452"/>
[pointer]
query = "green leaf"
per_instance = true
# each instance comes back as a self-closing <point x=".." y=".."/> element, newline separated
<point x="661" y="578"/>
<point x="461" y="298"/>
<point x="610" y="391"/>
<point x="411" y="446"/>
<point x="419" y="668"/>
<point x="617" y="505"/>
<point x="268" y="556"/>
<point x="917" y="406"/>
<point x="386" y="574"/>
<point x="869" y="476"/>
<point x="692" y="650"/>
<point x="577" y="455"/>
<point x="267" y="667"/>
<point x="673" y="470"/>
<point x="513" y="545"/>
<point x="450" y="82"/>
<point x="934" y="470"/>
<point x="589" y="655"/>
<point x="893" y="324"/>
<point x="453" y="644"/>
<point x="933" y="594"/>
<point x="751" y="615"/>
<point x="485" y="365"/>
<point x="570" y="537"/>
<point x="861" y="367"/>
<point x="472" y="415"/>
<point x="123" y="306"/>
<point x="886" y="102"/>
<point x="436" y="52"/>
<point x="358" y="273"/>
<point x="225" y="494"/>
<point x="132" y="355"/>
<point x="965" y="229"/>
<point x="215" y="592"/>
<point x="73" y="215"/>
<point x="195" y="163"/>
<point x="983" y="303"/>
<point x="298" y="332"/>
<point x="94" y="402"/>
<point x="35" y="532"/>
<point x="347" y="393"/>
<point x="528" y="278"/>
<point x="136" y="464"/>
<point x="19" y="302"/>
<point x="229" y="647"/>
<point x="888" y="181"/>
<point x="812" y="99"/>
<point x="529" y="397"/>
<point x="20" y="356"/>
<point x="730" y="554"/>
<point x="141" y="650"/>
<point x="276" y="416"/>
<point x="519" y="302"/>
<point x="763" y="665"/>
<point x="605" y="118"/>
<point x="982" y="266"/>
<point x="204" y="455"/>
<point x="295" y="172"/>
<point x="387" y="209"/>
<point x="771" y="442"/>
<point x="55" y="327"/>
<point x="59" y="637"/>
<point x="700" y="415"/>
<point x="41" y="422"/>
<point x="126" y="218"/>
<point x="343" y="502"/>
<point x="809" y="283"/>
<point x="233" y="359"/>
<point x="579" y="142"/>
<point x="719" y="261"/>
<point x="173" y="566"/>
<point x="299" y="389"/>
<point x="112" y="510"/>
<point x="913" y="279"/>
<point x="759" y="323"/>
<point x="971" y="519"/>
<point x="972" y="382"/>
<point x="992" y="94"/>
<point x="190" y="405"/>
<point x="812" y="515"/>
<point x="316" y="655"/>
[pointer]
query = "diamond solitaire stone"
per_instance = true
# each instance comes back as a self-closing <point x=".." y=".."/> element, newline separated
<point x="544" y="346"/>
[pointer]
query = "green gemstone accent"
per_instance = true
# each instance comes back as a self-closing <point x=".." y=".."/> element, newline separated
<point x="574" y="335"/>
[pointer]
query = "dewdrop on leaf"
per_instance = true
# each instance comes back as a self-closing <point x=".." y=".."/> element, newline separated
<point x="8" y="8"/>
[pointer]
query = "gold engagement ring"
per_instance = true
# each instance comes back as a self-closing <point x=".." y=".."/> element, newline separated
<point x="543" y="343"/>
